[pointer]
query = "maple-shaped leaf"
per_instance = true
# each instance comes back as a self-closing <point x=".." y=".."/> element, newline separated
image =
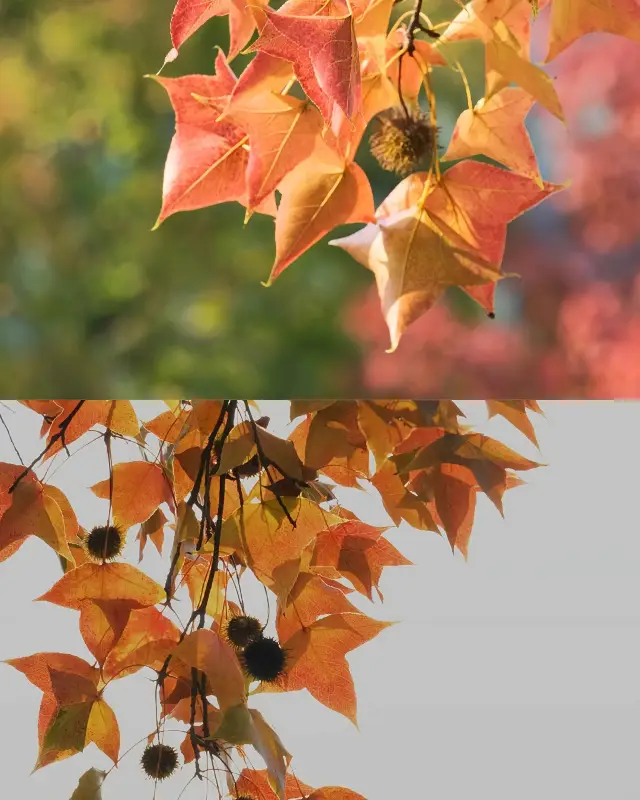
<point x="196" y="574"/>
<point x="188" y="16"/>
<point x="515" y="412"/>
<point x="495" y="128"/>
<point x="152" y="529"/>
<point x="117" y="415"/>
<point x="474" y="201"/>
<point x="75" y="726"/>
<point x="316" y="659"/>
<point x="382" y="435"/>
<point x="316" y="198"/>
<point x="334" y="793"/>
<point x="242" y="725"/>
<point x="359" y="559"/>
<point x="30" y="509"/>
<point x="206" y="162"/>
<point x="413" y="262"/>
<point x="503" y="57"/>
<point x="255" y="784"/>
<point x="146" y="640"/>
<point x="455" y="502"/>
<point x="138" y="488"/>
<point x="478" y="17"/>
<point x="311" y="597"/>
<point x="168" y="426"/>
<point x="282" y="132"/>
<point x="324" y="54"/>
<point x="208" y="652"/>
<point x="571" y="19"/>
<point x="399" y="503"/>
<point x="72" y="713"/>
<point x="104" y="582"/>
<point x="102" y="624"/>
<point x="272" y="546"/>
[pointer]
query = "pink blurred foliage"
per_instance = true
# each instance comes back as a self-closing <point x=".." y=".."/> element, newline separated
<point x="577" y="330"/>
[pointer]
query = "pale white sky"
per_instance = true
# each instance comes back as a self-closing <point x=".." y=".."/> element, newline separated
<point x="513" y="675"/>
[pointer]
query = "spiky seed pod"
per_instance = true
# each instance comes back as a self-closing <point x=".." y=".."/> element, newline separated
<point x="104" y="542"/>
<point x="264" y="659"/>
<point x="402" y="142"/>
<point x="159" y="761"/>
<point x="242" y="630"/>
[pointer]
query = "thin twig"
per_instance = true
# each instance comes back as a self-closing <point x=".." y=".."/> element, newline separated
<point x="59" y="435"/>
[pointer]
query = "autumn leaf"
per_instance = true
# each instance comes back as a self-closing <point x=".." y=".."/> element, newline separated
<point x="324" y="54"/>
<point x="32" y="511"/>
<point x="327" y="641"/>
<point x="89" y="785"/>
<point x="116" y="415"/>
<point x="104" y="582"/>
<point x="495" y="128"/>
<point x="504" y="58"/>
<point x="359" y="559"/>
<point x="138" y="487"/>
<point x="208" y="652"/>
<point x="188" y="16"/>
<point x="399" y="503"/>
<point x="413" y="262"/>
<point x="282" y="132"/>
<point x="206" y="162"/>
<point x="75" y="726"/>
<point x="242" y="725"/>
<point x="272" y="545"/>
<point x="571" y="19"/>
<point x="310" y="598"/>
<point x="515" y="411"/>
<point x="152" y="529"/>
<point x="148" y="637"/>
<point x="72" y="713"/>
<point x="102" y="624"/>
<point x="316" y="198"/>
<point x="255" y="783"/>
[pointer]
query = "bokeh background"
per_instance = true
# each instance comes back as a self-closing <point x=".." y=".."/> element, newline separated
<point x="94" y="304"/>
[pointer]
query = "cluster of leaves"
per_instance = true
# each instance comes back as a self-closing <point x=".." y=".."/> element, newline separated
<point x="239" y="500"/>
<point x="243" y="138"/>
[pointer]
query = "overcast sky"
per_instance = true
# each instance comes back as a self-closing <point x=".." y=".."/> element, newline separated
<point x="513" y="676"/>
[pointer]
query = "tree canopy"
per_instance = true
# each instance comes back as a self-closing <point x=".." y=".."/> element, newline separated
<point x="223" y="500"/>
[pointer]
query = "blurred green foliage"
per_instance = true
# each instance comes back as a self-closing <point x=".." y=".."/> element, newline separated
<point x="92" y="303"/>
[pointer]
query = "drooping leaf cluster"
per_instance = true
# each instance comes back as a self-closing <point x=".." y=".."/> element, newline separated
<point x="238" y="500"/>
<point x="323" y="73"/>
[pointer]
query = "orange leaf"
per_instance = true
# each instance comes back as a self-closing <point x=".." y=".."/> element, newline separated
<point x="324" y="642"/>
<point x="153" y="529"/>
<point x="208" y="652"/>
<point x="272" y="546"/>
<point x="310" y="598"/>
<point x="495" y="128"/>
<point x="571" y="19"/>
<point x="515" y="412"/>
<point x="316" y="198"/>
<point x="102" y="623"/>
<point x="32" y="511"/>
<point x="283" y="131"/>
<point x="324" y="53"/>
<point x="138" y="489"/>
<point x="104" y="582"/>
<point x="145" y="627"/>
